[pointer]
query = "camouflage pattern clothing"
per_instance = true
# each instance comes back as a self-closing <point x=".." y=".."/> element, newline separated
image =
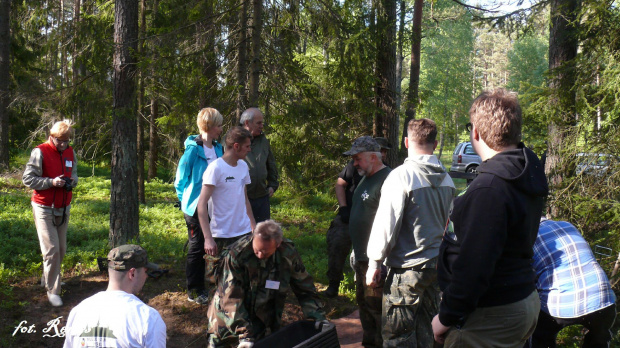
<point x="338" y="248"/>
<point x="410" y="301"/>
<point x="212" y="262"/>
<point x="369" y="302"/>
<point x="245" y="304"/>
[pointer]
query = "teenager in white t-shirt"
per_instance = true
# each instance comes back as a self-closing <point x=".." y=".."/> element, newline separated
<point x="116" y="317"/>
<point x="224" y="196"/>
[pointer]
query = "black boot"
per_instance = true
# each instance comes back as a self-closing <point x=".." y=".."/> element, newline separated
<point x="332" y="289"/>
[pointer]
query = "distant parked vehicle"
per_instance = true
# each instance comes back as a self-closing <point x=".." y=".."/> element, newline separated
<point x="593" y="163"/>
<point x="465" y="159"/>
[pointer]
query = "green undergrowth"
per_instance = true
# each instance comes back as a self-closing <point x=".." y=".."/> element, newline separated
<point x="305" y="218"/>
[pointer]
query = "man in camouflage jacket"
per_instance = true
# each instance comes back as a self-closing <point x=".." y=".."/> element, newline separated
<point x="255" y="275"/>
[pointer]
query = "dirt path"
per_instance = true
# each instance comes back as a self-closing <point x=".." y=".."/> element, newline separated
<point x="26" y="305"/>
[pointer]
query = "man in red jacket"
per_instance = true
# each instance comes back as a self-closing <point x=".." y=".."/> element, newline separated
<point x="52" y="173"/>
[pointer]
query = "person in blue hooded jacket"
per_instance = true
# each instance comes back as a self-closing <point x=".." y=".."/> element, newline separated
<point x="200" y="150"/>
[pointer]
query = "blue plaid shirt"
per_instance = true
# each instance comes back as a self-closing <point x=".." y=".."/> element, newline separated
<point x="570" y="281"/>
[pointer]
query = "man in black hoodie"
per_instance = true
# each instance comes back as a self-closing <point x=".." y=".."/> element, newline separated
<point x="485" y="259"/>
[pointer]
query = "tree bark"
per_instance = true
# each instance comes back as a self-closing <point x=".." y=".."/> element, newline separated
<point x="563" y="44"/>
<point x="153" y="139"/>
<point x="77" y="115"/>
<point x="153" y="133"/>
<point x="206" y="41"/>
<point x="124" y="213"/>
<point x="414" y="71"/>
<point x="5" y="44"/>
<point x="386" y="121"/>
<point x="241" y="59"/>
<point x="257" y="24"/>
<point x="399" y="53"/>
<point x="141" y="107"/>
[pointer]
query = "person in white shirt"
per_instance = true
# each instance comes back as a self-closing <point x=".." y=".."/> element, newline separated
<point x="116" y="317"/>
<point x="224" y="199"/>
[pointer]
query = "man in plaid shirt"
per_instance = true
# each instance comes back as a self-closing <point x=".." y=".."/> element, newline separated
<point x="572" y="286"/>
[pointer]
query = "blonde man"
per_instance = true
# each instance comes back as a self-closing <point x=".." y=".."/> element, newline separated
<point x="200" y="151"/>
<point x="52" y="173"/>
<point x="485" y="260"/>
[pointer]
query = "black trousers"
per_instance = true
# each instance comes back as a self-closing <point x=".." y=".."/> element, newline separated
<point x="261" y="208"/>
<point x="195" y="265"/>
<point x="598" y="323"/>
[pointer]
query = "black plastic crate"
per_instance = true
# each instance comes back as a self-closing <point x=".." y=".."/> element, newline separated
<point x="302" y="334"/>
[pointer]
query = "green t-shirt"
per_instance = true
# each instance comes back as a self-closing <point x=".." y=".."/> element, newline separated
<point x="363" y="209"/>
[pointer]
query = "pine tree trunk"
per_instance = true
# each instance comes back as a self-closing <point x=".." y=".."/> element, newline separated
<point x="77" y="111"/>
<point x="153" y="135"/>
<point x="257" y="24"/>
<point x="208" y="60"/>
<point x="153" y="139"/>
<point x="141" y="107"/>
<point x="124" y="213"/>
<point x="563" y="44"/>
<point x="241" y="59"/>
<point x="399" y="53"/>
<point x="414" y="71"/>
<point x="5" y="41"/>
<point x="387" y="118"/>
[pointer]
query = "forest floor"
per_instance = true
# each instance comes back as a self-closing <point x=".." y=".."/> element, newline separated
<point x="30" y="321"/>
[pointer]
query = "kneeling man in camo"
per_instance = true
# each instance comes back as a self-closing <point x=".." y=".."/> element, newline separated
<point x="253" y="279"/>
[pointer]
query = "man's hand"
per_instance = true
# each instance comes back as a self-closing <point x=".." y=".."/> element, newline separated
<point x="58" y="181"/>
<point x="270" y="189"/>
<point x="373" y="277"/>
<point x="210" y="247"/>
<point x="245" y="344"/>
<point x="439" y="330"/>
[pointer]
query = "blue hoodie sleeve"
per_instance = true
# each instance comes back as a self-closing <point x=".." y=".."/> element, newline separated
<point x="184" y="170"/>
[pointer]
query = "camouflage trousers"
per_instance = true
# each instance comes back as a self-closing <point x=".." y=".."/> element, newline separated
<point x="369" y="302"/>
<point x="410" y="301"/>
<point x="211" y="262"/>
<point x="338" y="248"/>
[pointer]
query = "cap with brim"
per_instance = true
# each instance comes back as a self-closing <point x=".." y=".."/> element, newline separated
<point x="363" y="144"/>
<point x="383" y="142"/>
<point x="128" y="256"/>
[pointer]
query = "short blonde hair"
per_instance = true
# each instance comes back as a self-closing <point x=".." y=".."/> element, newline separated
<point x="497" y="117"/>
<point x="208" y="118"/>
<point x="62" y="129"/>
<point x="269" y="230"/>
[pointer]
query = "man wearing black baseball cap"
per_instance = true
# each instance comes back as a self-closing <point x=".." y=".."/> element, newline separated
<point x="116" y="317"/>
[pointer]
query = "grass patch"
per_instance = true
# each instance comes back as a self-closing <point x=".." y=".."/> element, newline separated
<point x="163" y="233"/>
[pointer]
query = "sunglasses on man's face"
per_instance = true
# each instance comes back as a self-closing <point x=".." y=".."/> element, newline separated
<point x="468" y="126"/>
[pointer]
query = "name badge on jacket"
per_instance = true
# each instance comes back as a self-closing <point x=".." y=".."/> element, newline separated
<point x="272" y="284"/>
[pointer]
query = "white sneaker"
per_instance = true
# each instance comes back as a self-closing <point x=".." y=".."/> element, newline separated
<point x="55" y="300"/>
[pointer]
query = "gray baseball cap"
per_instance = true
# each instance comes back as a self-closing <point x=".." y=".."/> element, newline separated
<point x="363" y="144"/>
<point x="128" y="256"/>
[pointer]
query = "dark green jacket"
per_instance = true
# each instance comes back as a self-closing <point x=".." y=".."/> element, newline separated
<point x="263" y="170"/>
<point x="242" y="306"/>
